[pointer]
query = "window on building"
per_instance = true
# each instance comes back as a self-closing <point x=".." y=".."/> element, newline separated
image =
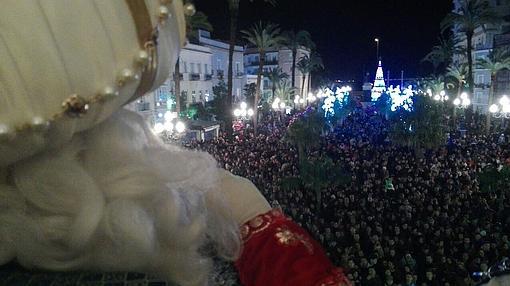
<point x="480" y="79"/>
<point x="192" y="67"/>
<point x="185" y="65"/>
<point x="218" y="65"/>
<point x="206" y="68"/>
<point x="478" y="97"/>
<point x="199" y="68"/>
<point x="184" y="95"/>
<point x="193" y="97"/>
<point x="200" y="96"/>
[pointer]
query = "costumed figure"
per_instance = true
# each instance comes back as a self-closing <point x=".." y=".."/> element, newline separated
<point x="86" y="185"/>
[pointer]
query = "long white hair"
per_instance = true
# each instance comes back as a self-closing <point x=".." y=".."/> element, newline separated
<point x="116" y="199"/>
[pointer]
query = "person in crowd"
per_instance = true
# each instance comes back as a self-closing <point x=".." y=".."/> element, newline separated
<point x="434" y="226"/>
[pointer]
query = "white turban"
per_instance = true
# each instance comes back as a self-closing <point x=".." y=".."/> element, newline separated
<point x="93" y="49"/>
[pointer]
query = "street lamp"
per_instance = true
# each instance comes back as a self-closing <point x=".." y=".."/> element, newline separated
<point x="377" y="44"/>
<point x="243" y="112"/>
<point x="168" y="128"/>
<point x="501" y="110"/>
<point x="442" y="96"/>
<point x="463" y="101"/>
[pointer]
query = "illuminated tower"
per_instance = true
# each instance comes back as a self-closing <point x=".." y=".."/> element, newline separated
<point x="379" y="84"/>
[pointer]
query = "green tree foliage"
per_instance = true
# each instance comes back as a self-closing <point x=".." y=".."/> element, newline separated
<point x="383" y="104"/>
<point x="249" y="91"/>
<point x="294" y="41"/>
<point x="197" y="111"/>
<point x="275" y="75"/>
<point x="284" y="91"/>
<point x="305" y="132"/>
<point x="441" y="55"/>
<point x="317" y="174"/>
<point x="492" y="179"/>
<point x="458" y="74"/>
<point x="198" y="21"/>
<point x="219" y="105"/>
<point x="420" y="129"/>
<point x="263" y="37"/>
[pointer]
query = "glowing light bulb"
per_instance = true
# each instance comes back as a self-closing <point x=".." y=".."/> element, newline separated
<point x="493" y="108"/>
<point x="180" y="127"/>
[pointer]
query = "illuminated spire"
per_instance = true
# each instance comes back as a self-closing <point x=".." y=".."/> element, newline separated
<point x="379" y="84"/>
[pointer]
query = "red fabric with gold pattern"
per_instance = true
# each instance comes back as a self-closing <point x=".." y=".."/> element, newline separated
<point x="278" y="252"/>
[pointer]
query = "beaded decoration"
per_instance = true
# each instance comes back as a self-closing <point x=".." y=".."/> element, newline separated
<point x="143" y="69"/>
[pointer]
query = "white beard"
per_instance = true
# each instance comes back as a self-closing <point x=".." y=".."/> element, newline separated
<point x="116" y="199"/>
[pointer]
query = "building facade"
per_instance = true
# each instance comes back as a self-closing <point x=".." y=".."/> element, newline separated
<point x="220" y="61"/>
<point x="196" y="85"/>
<point x="277" y="58"/>
<point x="484" y="40"/>
<point x="197" y="73"/>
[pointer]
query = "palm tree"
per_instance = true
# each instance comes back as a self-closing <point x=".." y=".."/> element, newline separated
<point x="421" y="129"/>
<point x="472" y="14"/>
<point x="233" y="7"/>
<point x="443" y="53"/>
<point x="294" y="41"/>
<point x="458" y="73"/>
<point x="305" y="133"/>
<point x="316" y="65"/>
<point x="284" y="90"/>
<point x="497" y="60"/>
<point x="304" y="67"/>
<point x="263" y="37"/>
<point x="275" y="75"/>
<point x="435" y="84"/>
<point x="193" y="24"/>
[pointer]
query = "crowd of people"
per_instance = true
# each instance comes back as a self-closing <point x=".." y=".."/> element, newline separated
<point x="432" y="226"/>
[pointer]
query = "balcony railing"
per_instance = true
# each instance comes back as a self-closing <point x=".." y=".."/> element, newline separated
<point x="479" y="47"/>
<point x="482" y="85"/>
<point x="270" y="62"/>
<point x="143" y="106"/>
<point x="194" y="77"/>
<point x="220" y="74"/>
<point x="181" y="76"/>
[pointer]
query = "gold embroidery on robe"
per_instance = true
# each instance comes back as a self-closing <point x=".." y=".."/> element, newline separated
<point x="290" y="238"/>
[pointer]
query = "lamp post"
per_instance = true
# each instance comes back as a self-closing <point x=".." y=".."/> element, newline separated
<point x="243" y="112"/>
<point x="461" y="102"/>
<point x="442" y="96"/>
<point x="170" y="128"/>
<point x="377" y="47"/>
<point x="501" y="110"/>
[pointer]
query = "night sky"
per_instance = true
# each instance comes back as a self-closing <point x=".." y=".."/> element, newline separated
<point x="344" y="31"/>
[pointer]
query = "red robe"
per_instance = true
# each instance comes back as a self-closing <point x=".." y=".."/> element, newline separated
<point x="278" y="252"/>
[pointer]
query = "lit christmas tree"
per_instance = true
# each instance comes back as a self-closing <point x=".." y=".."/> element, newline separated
<point x="379" y="84"/>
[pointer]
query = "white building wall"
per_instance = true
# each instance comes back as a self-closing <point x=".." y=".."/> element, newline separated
<point x="196" y="70"/>
<point x="220" y="61"/>
<point x="281" y="58"/>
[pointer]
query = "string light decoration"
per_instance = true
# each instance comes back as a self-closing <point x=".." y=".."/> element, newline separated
<point x="337" y="99"/>
<point x="379" y="85"/>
